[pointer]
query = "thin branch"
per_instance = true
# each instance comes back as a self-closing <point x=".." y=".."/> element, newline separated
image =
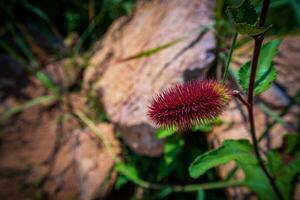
<point x="238" y="95"/>
<point x="100" y="135"/>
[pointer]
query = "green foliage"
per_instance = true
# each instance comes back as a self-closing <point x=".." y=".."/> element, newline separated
<point x="36" y="10"/>
<point x="230" y="150"/>
<point x="245" y="19"/>
<point x="55" y="20"/>
<point x="48" y="83"/>
<point x="283" y="165"/>
<point x="168" y="169"/>
<point x="64" y="17"/>
<point x="129" y="171"/>
<point x="290" y="9"/>
<point x="7" y="114"/>
<point x="172" y="148"/>
<point x="292" y="143"/>
<point x="165" y="132"/>
<point x="251" y="30"/>
<point x="203" y="128"/>
<point x="265" y="74"/>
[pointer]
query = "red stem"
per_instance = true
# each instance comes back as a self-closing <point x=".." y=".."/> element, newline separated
<point x="258" y="40"/>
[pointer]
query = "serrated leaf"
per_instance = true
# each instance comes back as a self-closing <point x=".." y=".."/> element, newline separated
<point x="230" y="150"/>
<point x="243" y="13"/>
<point x="129" y="172"/>
<point x="245" y="19"/>
<point x="250" y="30"/>
<point x="284" y="167"/>
<point x="266" y="73"/>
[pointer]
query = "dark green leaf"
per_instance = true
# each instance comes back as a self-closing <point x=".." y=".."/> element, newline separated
<point x="129" y="172"/>
<point x="121" y="181"/>
<point x="243" y="13"/>
<point x="163" y="193"/>
<point x="200" y="195"/>
<point x="245" y="19"/>
<point x="47" y="82"/>
<point x="284" y="167"/>
<point x="203" y="128"/>
<point x="292" y="143"/>
<point x="165" y="132"/>
<point x="251" y="30"/>
<point x="266" y="73"/>
<point x="172" y="148"/>
<point x="36" y="10"/>
<point x="230" y="150"/>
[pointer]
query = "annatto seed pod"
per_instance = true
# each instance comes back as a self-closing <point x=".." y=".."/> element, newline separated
<point x="188" y="104"/>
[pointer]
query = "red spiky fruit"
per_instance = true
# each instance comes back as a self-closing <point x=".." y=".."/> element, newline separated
<point x="188" y="104"/>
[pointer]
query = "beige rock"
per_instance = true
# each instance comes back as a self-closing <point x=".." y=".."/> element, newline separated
<point x="125" y="86"/>
<point x="83" y="168"/>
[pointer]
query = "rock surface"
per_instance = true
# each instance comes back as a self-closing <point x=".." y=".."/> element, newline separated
<point x="45" y="153"/>
<point x="126" y="82"/>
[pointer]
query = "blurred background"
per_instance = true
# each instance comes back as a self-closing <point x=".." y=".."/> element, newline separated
<point x="76" y="77"/>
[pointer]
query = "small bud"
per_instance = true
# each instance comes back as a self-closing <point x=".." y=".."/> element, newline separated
<point x="188" y="104"/>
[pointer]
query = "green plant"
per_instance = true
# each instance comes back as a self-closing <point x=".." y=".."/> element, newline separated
<point x="185" y="105"/>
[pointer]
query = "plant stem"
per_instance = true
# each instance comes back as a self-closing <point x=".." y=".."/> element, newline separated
<point x="191" y="188"/>
<point x="258" y="40"/>
<point x="229" y="56"/>
<point x="238" y="95"/>
<point x="47" y="99"/>
<point x="97" y="132"/>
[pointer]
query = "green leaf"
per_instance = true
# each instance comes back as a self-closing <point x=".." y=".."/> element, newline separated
<point x="243" y="13"/>
<point x="250" y="30"/>
<point x="203" y="128"/>
<point x="207" y="127"/>
<point x="292" y="143"/>
<point x="129" y="172"/>
<point x="152" y="51"/>
<point x="230" y="150"/>
<point x="36" y="10"/>
<point x="165" y="132"/>
<point x="172" y="148"/>
<point x="200" y="195"/>
<point x="7" y="114"/>
<point x="162" y="194"/>
<point x="284" y="167"/>
<point x="245" y="19"/>
<point x="48" y="83"/>
<point x="120" y="182"/>
<point x="266" y="73"/>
